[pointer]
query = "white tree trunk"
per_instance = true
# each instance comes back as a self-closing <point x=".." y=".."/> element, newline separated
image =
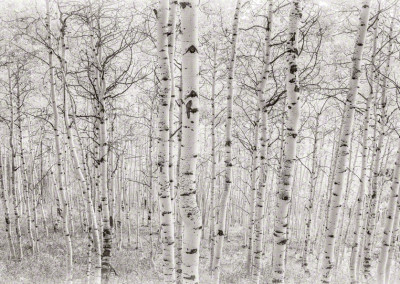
<point x="387" y="233"/>
<point x="228" y="150"/>
<point x="259" y="213"/>
<point x="166" y="211"/>
<point x="60" y="172"/>
<point x="289" y="158"/>
<point x="363" y="177"/>
<point x="341" y="167"/>
<point x="189" y="208"/>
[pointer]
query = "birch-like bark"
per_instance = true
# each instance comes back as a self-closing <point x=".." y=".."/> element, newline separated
<point x="254" y="166"/>
<point x="23" y="172"/>
<point x="310" y="202"/>
<point x="59" y="176"/>
<point x="228" y="149"/>
<point x="171" y="57"/>
<point x="341" y="167"/>
<point x="166" y="210"/>
<point x="259" y="213"/>
<point x="86" y="191"/>
<point x="373" y="206"/>
<point x="363" y="177"/>
<point x="13" y="188"/>
<point x="3" y="196"/>
<point x="289" y="157"/>
<point x="387" y="233"/>
<point x="213" y="161"/>
<point x="190" y="211"/>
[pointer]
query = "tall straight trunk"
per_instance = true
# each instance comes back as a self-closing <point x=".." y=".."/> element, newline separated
<point x="23" y="171"/>
<point x="213" y="161"/>
<point x="86" y="191"/>
<point x="190" y="212"/>
<point x="342" y="167"/>
<point x="310" y="202"/>
<point x="3" y="196"/>
<point x="387" y="233"/>
<point x="13" y="189"/>
<point x="59" y="176"/>
<point x="179" y="226"/>
<point x="171" y="57"/>
<point x="167" y="224"/>
<point x="228" y="149"/>
<point x="373" y="206"/>
<point x="253" y="193"/>
<point x="289" y="156"/>
<point x="259" y="214"/>
<point x="363" y="178"/>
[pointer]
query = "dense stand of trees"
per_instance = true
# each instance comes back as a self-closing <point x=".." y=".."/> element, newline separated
<point x="141" y="138"/>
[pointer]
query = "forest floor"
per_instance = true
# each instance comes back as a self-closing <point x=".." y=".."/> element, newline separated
<point x="134" y="266"/>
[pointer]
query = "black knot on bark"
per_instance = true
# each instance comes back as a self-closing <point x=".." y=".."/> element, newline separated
<point x="184" y="4"/>
<point x="192" y="251"/>
<point x="192" y="49"/>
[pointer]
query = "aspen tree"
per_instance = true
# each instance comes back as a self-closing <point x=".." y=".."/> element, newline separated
<point x="3" y="196"/>
<point x="13" y="188"/>
<point x="289" y="157"/>
<point x="171" y="57"/>
<point x="387" y="233"/>
<point x="259" y="214"/>
<point x="166" y="210"/>
<point x="22" y="167"/>
<point x="86" y="191"/>
<point x="341" y="166"/>
<point x="363" y="177"/>
<point x="60" y="171"/>
<point x="373" y="206"/>
<point x="253" y="170"/>
<point x="179" y="225"/>
<point x="213" y="161"/>
<point x="310" y="203"/>
<point x="189" y="208"/>
<point x="221" y="232"/>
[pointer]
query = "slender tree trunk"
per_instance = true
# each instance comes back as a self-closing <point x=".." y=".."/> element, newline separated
<point x="289" y="158"/>
<point x="259" y="214"/>
<point x="190" y="211"/>
<point x="341" y="167"/>
<point x="310" y="203"/>
<point x="363" y="177"/>
<point x="3" y="196"/>
<point x="387" y="233"/>
<point x="228" y="150"/>
<point x="60" y="172"/>
<point x="167" y="224"/>
<point x="213" y="161"/>
<point x="13" y="189"/>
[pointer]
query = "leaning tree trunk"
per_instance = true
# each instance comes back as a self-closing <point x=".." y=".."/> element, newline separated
<point x="60" y="173"/>
<point x="189" y="208"/>
<point x="286" y="177"/>
<point x="167" y="224"/>
<point x="228" y="150"/>
<point x="342" y="161"/>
